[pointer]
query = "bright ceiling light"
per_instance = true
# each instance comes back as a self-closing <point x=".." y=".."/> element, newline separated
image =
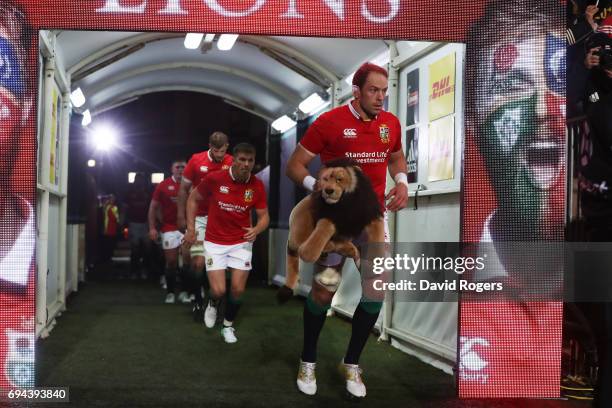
<point x="131" y="177"/>
<point x="193" y="40"/>
<point x="77" y="98"/>
<point x="226" y="41"/>
<point x="91" y="163"/>
<point x="157" y="178"/>
<point x="86" y="118"/>
<point x="283" y="124"/>
<point x="103" y="138"/>
<point x="311" y="104"/>
<point x="209" y="38"/>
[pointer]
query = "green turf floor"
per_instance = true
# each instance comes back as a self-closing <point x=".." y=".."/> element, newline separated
<point x="118" y="345"/>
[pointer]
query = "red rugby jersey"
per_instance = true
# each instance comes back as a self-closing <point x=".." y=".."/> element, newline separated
<point x="198" y="166"/>
<point x="166" y="194"/>
<point x="230" y="205"/>
<point x="341" y="132"/>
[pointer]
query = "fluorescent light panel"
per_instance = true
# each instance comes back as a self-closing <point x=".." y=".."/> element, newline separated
<point x="226" y="41"/>
<point x="193" y="40"/>
<point x="86" y="118"/>
<point x="311" y="104"/>
<point x="157" y="178"/>
<point x="283" y="124"/>
<point x="77" y="98"/>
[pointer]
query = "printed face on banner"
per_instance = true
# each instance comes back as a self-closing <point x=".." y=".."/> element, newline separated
<point x="520" y="121"/>
<point x="514" y="191"/>
<point x="17" y="335"/>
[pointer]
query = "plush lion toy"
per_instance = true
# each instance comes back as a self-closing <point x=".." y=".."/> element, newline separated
<point x="343" y="207"/>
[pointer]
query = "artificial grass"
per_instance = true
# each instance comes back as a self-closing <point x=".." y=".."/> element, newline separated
<point x="118" y="345"/>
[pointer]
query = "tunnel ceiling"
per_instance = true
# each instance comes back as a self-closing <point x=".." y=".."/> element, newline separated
<point x="267" y="76"/>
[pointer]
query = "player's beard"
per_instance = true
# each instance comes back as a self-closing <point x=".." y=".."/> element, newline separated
<point x="241" y="175"/>
<point x="371" y="115"/>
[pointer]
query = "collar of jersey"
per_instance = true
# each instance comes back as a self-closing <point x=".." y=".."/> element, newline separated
<point x="233" y="179"/>
<point x="357" y="115"/>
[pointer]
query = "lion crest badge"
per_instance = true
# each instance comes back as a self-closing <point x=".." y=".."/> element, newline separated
<point x="225" y="167"/>
<point x="384" y="133"/>
<point x="248" y="195"/>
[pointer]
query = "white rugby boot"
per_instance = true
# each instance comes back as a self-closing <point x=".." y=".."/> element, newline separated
<point x="354" y="383"/>
<point x="306" y="380"/>
<point x="229" y="335"/>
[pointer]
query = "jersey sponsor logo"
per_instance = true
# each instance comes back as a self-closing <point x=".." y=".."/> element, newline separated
<point x="171" y="188"/>
<point x="204" y="169"/>
<point x="224" y="189"/>
<point x="384" y="133"/>
<point x="248" y="195"/>
<point x="350" y="133"/>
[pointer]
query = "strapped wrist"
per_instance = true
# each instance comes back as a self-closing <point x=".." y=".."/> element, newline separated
<point x="401" y="178"/>
<point x="309" y="182"/>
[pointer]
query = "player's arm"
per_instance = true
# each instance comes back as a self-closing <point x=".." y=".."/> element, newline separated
<point x="181" y="203"/>
<point x="192" y="209"/>
<point x="263" y="220"/>
<point x="297" y="168"/>
<point x="398" y="170"/>
<point x="152" y="216"/>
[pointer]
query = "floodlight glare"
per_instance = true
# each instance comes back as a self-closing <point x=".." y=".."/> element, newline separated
<point x="86" y="118"/>
<point x="103" y="138"/>
<point x="91" y="163"/>
<point x="77" y="98"/>
<point x="283" y="124"/>
<point x="311" y="104"/>
<point x="226" y="41"/>
<point x="193" y="40"/>
<point x="131" y="177"/>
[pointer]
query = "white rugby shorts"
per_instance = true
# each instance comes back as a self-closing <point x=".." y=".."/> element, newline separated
<point x="171" y="239"/>
<point x="237" y="256"/>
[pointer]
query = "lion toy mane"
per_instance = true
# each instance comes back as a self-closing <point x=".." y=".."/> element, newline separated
<point x="327" y="220"/>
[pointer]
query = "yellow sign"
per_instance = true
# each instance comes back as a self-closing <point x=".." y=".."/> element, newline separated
<point x="55" y="120"/>
<point x="441" y="149"/>
<point x="442" y="87"/>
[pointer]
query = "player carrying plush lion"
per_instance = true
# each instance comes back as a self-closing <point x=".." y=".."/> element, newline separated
<point x="363" y="131"/>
